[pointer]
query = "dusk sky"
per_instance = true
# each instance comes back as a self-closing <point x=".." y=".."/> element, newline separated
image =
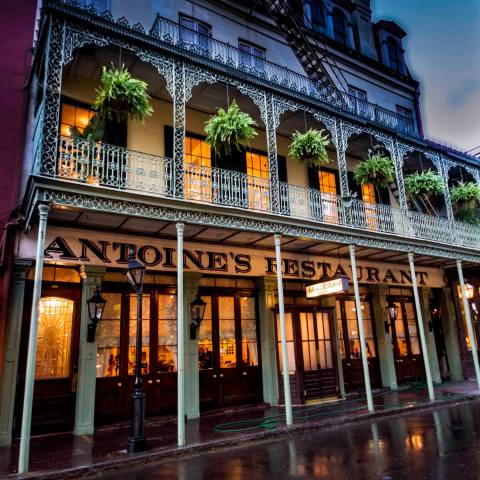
<point x="442" y="52"/>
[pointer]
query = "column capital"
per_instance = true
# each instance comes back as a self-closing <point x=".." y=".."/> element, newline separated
<point x="92" y="272"/>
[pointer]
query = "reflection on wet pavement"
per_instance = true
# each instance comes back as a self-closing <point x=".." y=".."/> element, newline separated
<point x="441" y="444"/>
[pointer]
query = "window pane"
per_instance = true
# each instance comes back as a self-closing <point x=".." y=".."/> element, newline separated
<point x="54" y="337"/>
<point x="226" y="316"/>
<point x="205" y="346"/>
<point x="290" y="345"/>
<point x="249" y="331"/>
<point x="108" y="337"/>
<point x="167" y="333"/>
<point x="133" y="332"/>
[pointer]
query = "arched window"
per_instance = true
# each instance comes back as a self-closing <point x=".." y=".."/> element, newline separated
<point x="339" y="26"/>
<point x="393" y="54"/>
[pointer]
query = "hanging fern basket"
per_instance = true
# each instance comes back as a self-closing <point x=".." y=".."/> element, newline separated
<point x="121" y="97"/>
<point x="309" y="148"/>
<point x="376" y="169"/>
<point x="424" y="184"/>
<point x="229" y="129"/>
<point x="465" y="195"/>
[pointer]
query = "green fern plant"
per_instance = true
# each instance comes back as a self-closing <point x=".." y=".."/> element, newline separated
<point x="426" y="183"/>
<point x="121" y="97"/>
<point x="377" y="169"/>
<point x="310" y="148"/>
<point x="230" y="128"/>
<point x="466" y="193"/>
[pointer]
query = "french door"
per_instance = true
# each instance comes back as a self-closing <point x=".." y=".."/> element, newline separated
<point x="228" y="350"/>
<point x="311" y="353"/>
<point x="406" y="343"/>
<point x="56" y="361"/>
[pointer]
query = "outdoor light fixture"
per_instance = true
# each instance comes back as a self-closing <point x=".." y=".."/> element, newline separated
<point x="348" y="199"/>
<point x="198" y="311"/>
<point x="392" y="311"/>
<point x="137" y="442"/>
<point x="469" y="290"/>
<point x="96" y="305"/>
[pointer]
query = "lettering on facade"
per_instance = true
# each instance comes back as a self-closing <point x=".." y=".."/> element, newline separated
<point x="206" y="259"/>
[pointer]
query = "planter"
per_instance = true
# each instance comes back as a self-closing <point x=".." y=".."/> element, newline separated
<point x="309" y="148"/>
<point x="376" y="169"/>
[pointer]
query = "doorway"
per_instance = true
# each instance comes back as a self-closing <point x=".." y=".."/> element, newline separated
<point x="311" y="353"/>
<point x="406" y="343"/>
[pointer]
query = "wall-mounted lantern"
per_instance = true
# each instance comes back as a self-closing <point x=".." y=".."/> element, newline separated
<point x="392" y="312"/>
<point x="96" y="306"/>
<point x="198" y="311"/>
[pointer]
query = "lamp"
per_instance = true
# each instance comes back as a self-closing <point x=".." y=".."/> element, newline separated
<point x="137" y="442"/>
<point x="198" y="311"/>
<point x="96" y="306"/>
<point x="392" y="311"/>
<point x="469" y="290"/>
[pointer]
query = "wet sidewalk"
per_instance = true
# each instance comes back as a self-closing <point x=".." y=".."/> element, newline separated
<point x="69" y="456"/>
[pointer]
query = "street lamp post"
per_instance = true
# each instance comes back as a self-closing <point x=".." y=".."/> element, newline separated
<point x="137" y="441"/>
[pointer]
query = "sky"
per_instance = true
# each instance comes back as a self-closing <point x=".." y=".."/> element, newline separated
<point x="442" y="50"/>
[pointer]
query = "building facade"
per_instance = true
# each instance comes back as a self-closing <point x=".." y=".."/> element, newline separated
<point x="151" y="188"/>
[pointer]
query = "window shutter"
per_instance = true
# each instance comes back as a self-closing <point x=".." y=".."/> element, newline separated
<point x="168" y="141"/>
<point x="282" y="168"/>
<point x="115" y="133"/>
<point x="384" y="194"/>
<point x="353" y="185"/>
<point x="313" y="179"/>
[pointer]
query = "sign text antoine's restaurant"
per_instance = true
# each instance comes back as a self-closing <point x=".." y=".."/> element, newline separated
<point x="66" y="246"/>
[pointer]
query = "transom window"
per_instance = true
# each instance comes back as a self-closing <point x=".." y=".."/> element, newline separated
<point x="251" y="55"/>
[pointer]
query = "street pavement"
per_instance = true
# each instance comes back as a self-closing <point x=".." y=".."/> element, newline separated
<point x="442" y="444"/>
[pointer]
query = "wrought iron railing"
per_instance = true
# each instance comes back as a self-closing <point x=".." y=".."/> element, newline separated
<point x="99" y="164"/>
<point x="228" y="55"/>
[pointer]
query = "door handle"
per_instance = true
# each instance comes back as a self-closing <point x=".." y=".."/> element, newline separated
<point x="157" y="380"/>
<point x="119" y="384"/>
<point x="150" y="381"/>
<point x="244" y="373"/>
<point x="214" y="375"/>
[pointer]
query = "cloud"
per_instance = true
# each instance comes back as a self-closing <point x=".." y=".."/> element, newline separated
<point x="459" y="96"/>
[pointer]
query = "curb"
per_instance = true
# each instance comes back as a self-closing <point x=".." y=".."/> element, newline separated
<point x="173" y="453"/>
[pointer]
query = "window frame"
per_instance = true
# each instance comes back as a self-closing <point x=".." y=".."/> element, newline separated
<point x="339" y="36"/>
<point x="255" y="62"/>
<point x="393" y="52"/>
<point x="194" y="32"/>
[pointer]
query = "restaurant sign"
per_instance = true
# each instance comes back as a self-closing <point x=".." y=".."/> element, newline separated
<point x="79" y="247"/>
<point x="329" y="287"/>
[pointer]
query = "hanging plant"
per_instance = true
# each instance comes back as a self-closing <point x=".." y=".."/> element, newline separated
<point x="469" y="215"/>
<point x="310" y="148"/>
<point x="121" y="97"/>
<point x="426" y="183"/>
<point x="465" y="194"/>
<point x="377" y="169"/>
<point x="231" y="128"/>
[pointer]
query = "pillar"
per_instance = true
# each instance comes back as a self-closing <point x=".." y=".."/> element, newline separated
<point x="271" y="124"/>
<point x="12" y="348"/>
<point x="386" y="358"/>
<point x="450" y="333"/>
<point x="87" y="358"/>
<point x="180" y="341"/>
<point x="191" y="281"/>
<point x="424" y="293"/>
<point x="266" y="303"/>
<point x="468" y="318"/>
<point x="330" y="302"/>
<point x="32" y="343"/>
<point x="361" y="330"/>
<point x="283" y="331"/>
<point x="421" y="329"/>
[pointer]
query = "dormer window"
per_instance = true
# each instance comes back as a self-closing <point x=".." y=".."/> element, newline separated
<point x="393" y="54"/>
<point x="339" y="26"/>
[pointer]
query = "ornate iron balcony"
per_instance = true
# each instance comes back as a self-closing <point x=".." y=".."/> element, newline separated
<point x="230" y="56"/>
<point x="132" y="172"/>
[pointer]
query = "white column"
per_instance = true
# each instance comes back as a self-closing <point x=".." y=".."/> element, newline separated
<point x="180" y="340"/>
<point x="421" y="330"/>
<point x="361" y="330"/>
<point x="32" y="343"/>
<point x="283" y="332"/>
<point x="468" y="317"/>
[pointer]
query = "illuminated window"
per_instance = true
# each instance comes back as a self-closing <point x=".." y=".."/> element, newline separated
<point x="290" y="344"/>
<point x="167" y="333"/>
<point x="54" y="338"/>
<point x="205" y="339"/>
<point x="74" y="117"/>
<point x="368" y="196"/>
<point x="108" y="337"/>
<point x="258" y="180"/>
<point x="368" y="193"/>
<point x="226" y="332"/>
<point x="197" y="169"/>
<point x="132" y="334"/>
<point x="328" y="187"/>
<point x="249" y="331"/>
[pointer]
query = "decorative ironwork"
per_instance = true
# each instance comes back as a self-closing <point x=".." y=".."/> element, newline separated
<point x="344" y="131"/>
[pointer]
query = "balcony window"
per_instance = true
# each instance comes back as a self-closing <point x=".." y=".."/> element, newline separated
<point x="359" y="100"/>
<point x="258" y="180"/>
<point x="252" y="56"/>
<point x="369" y="199"/>
<point x="197" y="168"/>
<point x="328" y="187"/>
<point x="339" y="26"/>
<point x="73" y="118"/>
<point x="195" y="34"/>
